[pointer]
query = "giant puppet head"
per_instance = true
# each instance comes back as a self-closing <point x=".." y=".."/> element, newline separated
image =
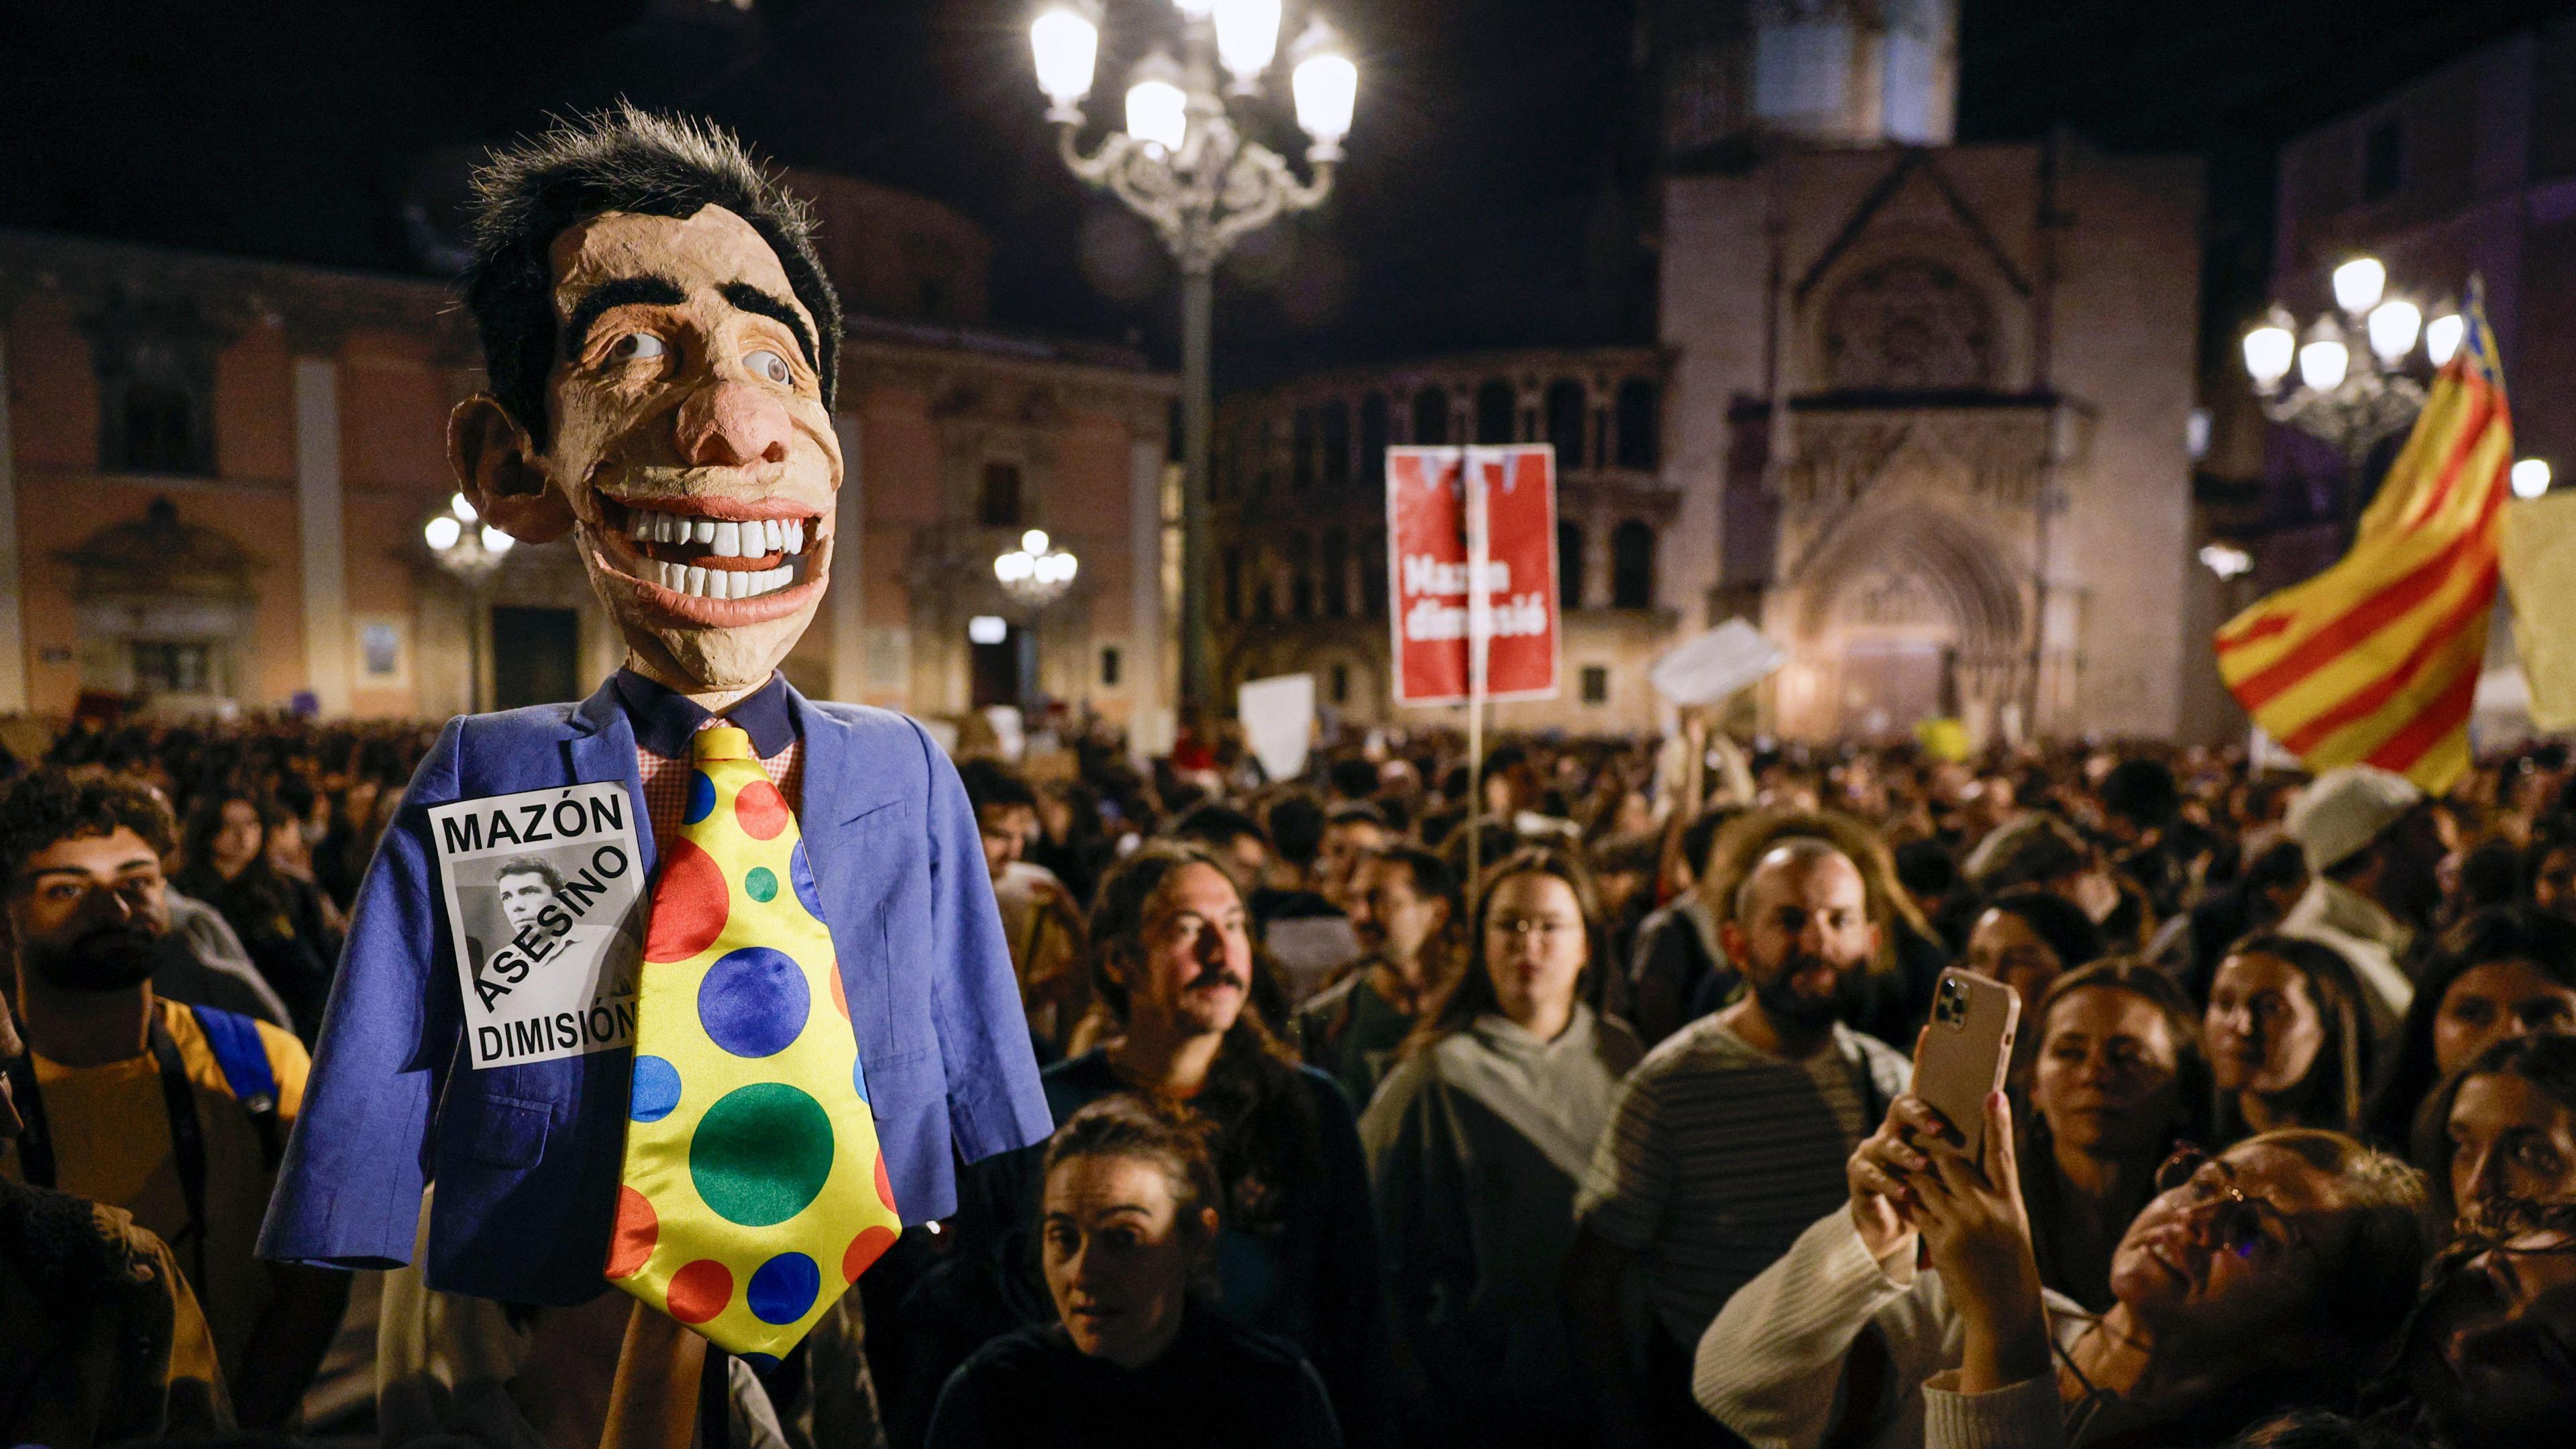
<point x="661" y="342"/>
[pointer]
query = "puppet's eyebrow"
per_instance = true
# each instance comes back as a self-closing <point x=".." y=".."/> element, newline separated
<point x="751" y="299"/>
<point x="617" y="292"/>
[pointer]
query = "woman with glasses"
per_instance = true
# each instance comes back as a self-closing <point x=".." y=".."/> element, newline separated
<point x="2489" y="1360"/>
<point x="1476" y="1144"/>
<point x="2267" y="1277"/>
<point x="2288" y="1038"/>
<point x="2117" y="1080"/>
<point x="2503" y="1127"/>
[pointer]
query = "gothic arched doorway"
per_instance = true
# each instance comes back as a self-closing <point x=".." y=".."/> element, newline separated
<point x="1901" y="613"/>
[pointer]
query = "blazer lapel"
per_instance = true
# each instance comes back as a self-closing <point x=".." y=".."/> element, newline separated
<point x="602" y="748"/>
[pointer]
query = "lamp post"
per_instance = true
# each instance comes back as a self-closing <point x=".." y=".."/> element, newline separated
<point x="2350" y="402"/>
<point x="1036" y="574"/>
<point x="1183" y="165"/>
<point x="471" y="551"/>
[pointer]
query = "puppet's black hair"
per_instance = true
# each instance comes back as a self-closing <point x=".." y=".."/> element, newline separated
<point x="623" y="158"/>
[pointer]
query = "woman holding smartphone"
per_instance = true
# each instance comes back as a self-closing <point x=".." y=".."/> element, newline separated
<point x="1476" y="1144"/>
<point x="2263" y="1278"/>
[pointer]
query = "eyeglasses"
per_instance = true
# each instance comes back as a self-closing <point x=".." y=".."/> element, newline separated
<point x="2246" y="1225"/>
<point x="2515" y="1227"/>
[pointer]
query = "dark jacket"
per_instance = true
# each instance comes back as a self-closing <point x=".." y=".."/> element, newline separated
<point x="1219" y="1383"/>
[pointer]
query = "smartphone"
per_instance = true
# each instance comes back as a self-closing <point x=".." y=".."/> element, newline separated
<point x="1966" y="1049"/>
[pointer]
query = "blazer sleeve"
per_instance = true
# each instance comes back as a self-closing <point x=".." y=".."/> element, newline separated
<point x="995" y="1103"/>
<point x="348" y="1192"/>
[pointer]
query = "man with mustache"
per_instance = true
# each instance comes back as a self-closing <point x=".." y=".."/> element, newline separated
<point x="172" y="1113"/>
<point x="1730" y="1138"/>
<point x="1407" y="912"/>
<point x="662" y="351"/>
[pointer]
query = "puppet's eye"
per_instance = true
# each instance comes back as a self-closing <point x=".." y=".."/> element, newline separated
<point x="770" y="365"/>
<point x="637" y="347"/>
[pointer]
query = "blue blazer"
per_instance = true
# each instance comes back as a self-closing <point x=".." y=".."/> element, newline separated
<point x="526" y="1157"/>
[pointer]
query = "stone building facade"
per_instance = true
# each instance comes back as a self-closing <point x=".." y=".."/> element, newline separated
<point x="1299" y="523"/>
<point x="214" y="473"/>
<point x="1930" y="402"/>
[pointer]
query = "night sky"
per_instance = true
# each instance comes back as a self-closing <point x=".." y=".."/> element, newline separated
<point x="1498" y="193"/>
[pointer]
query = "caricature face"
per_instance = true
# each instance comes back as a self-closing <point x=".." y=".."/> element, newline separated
<point x="688" y="448"/>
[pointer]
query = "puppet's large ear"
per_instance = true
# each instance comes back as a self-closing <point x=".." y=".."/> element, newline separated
<point x="495" y="464"/>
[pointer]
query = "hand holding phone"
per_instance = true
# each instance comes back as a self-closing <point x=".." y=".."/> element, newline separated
<point x="1965" y="1050"/>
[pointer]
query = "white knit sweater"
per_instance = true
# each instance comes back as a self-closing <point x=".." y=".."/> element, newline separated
<point x="1771" y="1366"/>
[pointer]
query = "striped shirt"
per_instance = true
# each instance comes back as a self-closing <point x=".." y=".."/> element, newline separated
<point x="1719" y="1155"/>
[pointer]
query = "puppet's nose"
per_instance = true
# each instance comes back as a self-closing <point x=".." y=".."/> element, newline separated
<point x="729" y="424"/>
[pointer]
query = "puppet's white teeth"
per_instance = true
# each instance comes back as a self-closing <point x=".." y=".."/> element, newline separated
<point x="724" y="538"/>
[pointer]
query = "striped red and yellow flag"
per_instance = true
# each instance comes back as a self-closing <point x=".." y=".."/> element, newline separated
<point x="2376" y="659"/>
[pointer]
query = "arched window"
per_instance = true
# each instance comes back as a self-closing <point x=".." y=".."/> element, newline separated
<point x="1233" y="584"/>
<point x="1301" y="576"/>
<point x="1335" y="566"/>
<point x="1373" y="440"/>
<point x="1565" y="423"/>
<point x="1333" y="436"/>
<point x="1909" y="325"/>
<point x="1431" y="416"/>
<point x="1569" y="564"/>
<point x="1632" y="566"/>
<point x="1373" y="573"/>
<point x="1638" y="425"/>
<point x="1494" y="409"/>
<point x="1302" y="442"/>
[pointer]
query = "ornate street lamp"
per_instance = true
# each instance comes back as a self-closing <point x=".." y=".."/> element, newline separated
<point x="1036" y="573"/>
<point x="471" y="551"/>
<point x="1183" y="166"/>
<point x="2348" y="401"/>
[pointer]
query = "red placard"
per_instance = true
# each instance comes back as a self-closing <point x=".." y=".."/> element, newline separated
<point x="1427" y="563"/>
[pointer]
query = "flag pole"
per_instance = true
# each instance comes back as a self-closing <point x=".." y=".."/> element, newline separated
<point x="1479" y="629"/>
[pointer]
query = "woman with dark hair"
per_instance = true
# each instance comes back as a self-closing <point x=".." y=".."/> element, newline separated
<point x="1137" y="1357"/>
<point x="2503" y="1127"/>
<point x="1476" y="1145"/>
<point x="2288" y="1038"/>
<point x="2500" y="973"/>
<point x="2118" y="1081"/>
<point x="2268" y="1277"/>
<point x="224" y="862"/>
<point x="2484" y="1364"/>
<point x="1171" y="963"/>
<point x="2027" y="939"/>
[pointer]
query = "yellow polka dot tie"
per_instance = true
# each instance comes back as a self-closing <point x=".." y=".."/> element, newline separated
<point x="753" y="1192"/>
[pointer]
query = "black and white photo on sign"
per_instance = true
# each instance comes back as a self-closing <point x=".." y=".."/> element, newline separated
<point x="545" y="902"/>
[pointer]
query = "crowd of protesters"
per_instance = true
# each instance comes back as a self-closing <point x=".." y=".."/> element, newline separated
<point x="1558" y="1098"/>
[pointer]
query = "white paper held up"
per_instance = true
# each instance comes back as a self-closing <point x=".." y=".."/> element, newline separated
<point x="1278" y="720"/>
<point x="1716" y="664"/>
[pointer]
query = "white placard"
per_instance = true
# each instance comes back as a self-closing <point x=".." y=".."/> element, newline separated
<point x="545" y="901"/>
<point x="1278" y="721"/>
<point x="1707" y="669"/>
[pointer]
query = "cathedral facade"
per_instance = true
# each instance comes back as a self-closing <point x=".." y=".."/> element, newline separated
<point x="1930" y="402"/>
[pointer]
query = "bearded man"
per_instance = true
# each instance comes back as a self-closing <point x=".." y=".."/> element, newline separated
<point x="172" y="1113"/>
<point x="1730" y="1137"/>
<point x="662" y="347"/>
